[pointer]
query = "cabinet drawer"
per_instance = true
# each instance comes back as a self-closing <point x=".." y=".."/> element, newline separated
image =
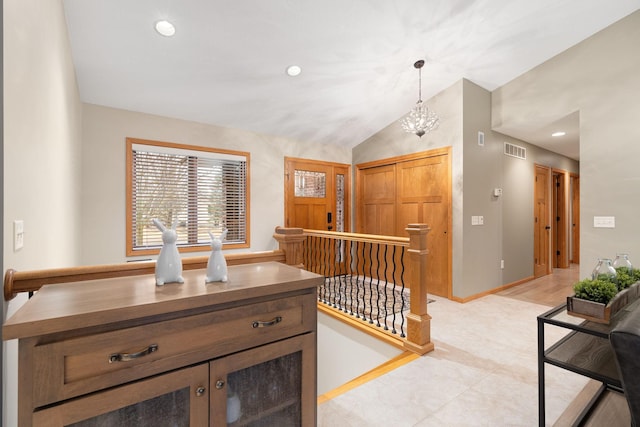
<point x="72" y="367"/>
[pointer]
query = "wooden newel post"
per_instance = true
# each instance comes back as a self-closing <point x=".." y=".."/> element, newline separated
<point x="418" y="321"/>
<point x="291" y="241"/>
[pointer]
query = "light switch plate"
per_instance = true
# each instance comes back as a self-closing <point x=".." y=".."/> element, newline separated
<point x="18" y="234"/>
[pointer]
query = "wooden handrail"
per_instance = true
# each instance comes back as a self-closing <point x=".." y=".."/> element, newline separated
<point x="30" y="281"/>
<point x="418" y="338"/>
<point x="356" y="237"/>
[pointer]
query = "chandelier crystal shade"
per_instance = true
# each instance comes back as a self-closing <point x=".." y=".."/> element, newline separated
<point x="420" y="119"/>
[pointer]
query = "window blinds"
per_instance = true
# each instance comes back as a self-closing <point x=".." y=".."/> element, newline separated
<point x="199" y="192"/>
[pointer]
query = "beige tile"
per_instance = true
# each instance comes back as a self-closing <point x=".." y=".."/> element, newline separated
<point x="483" y="372"/>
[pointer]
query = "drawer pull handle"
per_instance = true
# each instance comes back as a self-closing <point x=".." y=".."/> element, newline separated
<point x="274" y="321"/>
<point x="124" y="357"/>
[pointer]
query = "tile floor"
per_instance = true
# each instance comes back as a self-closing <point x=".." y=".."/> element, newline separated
<point x="483" y="372"/>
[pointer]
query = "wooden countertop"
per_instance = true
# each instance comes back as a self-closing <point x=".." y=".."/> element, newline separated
<point x="69" y="306"/>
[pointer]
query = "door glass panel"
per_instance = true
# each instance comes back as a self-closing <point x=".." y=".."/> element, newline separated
<point x="310" y="184"/>
<point x="267" y="394"/>
<point x="171" y="409"/>
<point x="340" y="255"/>
<point x="340" y="202"/>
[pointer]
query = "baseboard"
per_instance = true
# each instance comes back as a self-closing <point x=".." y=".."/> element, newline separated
<point x="491" y="291"/>
<point x="376" y="372"/>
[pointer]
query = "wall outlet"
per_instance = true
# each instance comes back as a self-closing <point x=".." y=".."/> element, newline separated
<point x="501" y="264"/>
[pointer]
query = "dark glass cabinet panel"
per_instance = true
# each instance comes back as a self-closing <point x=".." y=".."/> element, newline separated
<point x="170" y="410"/>
<point x="266" y="386"/>
<point x="175" y="399"/>
<point x="266" y="394"/>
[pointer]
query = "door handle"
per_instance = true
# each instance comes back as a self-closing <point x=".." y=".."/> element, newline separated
<point x="548" y="227"/>
<point x="328" y="217"/>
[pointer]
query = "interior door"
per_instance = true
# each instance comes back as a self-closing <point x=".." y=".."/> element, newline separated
<point x="542" y="225"/>
<point x="575" y="219"/>
<point x="560" y="230"/>
<point x="377" y="199"/>
<point x="316" y="195"/>
<point x="393" y="193"/>
<point x="422" y="197"/>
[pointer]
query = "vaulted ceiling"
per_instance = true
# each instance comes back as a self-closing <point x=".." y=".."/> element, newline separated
<point x="226" y="63"/>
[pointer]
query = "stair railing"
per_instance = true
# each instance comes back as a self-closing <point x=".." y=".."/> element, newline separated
<point x="371" y="281"/>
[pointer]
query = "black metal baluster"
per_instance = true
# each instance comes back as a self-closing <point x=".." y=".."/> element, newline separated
<point x="393" y="275"/>
<point x="377" y="288"/>
<point x="402" y="326"/>
<point x="370" y="289"/>
<point x="360" y="259"/>
<point x="386" y="295"/>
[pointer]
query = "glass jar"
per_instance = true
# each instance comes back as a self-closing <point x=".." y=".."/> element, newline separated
<point x="622" y="261"/>
<point x="604" y="270"/>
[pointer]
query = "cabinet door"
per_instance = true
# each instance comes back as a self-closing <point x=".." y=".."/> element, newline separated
<point x="271" y="385"/>
<point x="178" y="398"/>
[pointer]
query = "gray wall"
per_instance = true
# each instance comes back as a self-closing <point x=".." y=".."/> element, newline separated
<point x="103" y="175"/>
<point x="507" y="233"/>
<point x="482" y="248"/>
<point x="598" y="78"/>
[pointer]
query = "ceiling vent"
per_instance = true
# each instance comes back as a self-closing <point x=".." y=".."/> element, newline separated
<point x="515" y="151"/>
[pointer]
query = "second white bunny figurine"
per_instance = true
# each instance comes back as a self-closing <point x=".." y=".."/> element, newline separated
<point x="169" y="264"/>
<point x="217" y="264"/>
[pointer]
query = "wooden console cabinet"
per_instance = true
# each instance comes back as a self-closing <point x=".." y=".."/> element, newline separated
<point x="123" y="351"/>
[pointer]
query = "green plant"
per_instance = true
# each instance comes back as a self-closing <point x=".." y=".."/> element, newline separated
<point x="624" y="278"/>
<point x="601" y="291"/>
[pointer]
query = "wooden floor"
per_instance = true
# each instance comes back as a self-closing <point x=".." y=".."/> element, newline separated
<point x="551" y="290"/>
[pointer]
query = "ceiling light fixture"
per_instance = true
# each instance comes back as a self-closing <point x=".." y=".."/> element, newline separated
<point x="165" y="28"/>
<point x="293" y="70"/>
<point x="559" y="133"/>
<point x="420" y="119"/>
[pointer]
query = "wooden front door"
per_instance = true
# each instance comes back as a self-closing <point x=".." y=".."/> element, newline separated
<point x="393" y="193"/>
<point x="542" y="225"/>
<point x="316" y="195"/>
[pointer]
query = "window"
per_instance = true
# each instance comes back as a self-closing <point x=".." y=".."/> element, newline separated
<point x="197" y="189"/>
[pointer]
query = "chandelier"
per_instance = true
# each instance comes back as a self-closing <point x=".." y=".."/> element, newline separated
<point x="420" y="119"/>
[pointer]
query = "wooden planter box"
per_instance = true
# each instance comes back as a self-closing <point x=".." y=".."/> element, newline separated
<point x="601" y="313"/>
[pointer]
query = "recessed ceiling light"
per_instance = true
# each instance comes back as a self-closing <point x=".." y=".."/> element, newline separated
<point x="293" y="70"/>
<point x="165" y="28"/>
<point x="559" y="133"/>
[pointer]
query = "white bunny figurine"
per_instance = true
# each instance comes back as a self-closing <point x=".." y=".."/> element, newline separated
<point x="169" y="264"/>
<point x="217" y="265"/>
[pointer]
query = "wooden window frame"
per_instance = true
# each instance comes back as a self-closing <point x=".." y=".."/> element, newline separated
<point x="133" y="250"/>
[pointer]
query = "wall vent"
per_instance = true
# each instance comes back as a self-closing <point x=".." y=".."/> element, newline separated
<point x="515" y="151"/>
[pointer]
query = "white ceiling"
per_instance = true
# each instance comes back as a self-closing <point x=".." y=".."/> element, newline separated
<point x="226" y="63"/>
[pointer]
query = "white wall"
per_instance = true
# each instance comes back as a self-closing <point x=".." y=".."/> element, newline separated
<point x="599" y="78"/>
<point x="345" y="353"/>
<point x="103" y="175"/>
<point x="42" y="127"/>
